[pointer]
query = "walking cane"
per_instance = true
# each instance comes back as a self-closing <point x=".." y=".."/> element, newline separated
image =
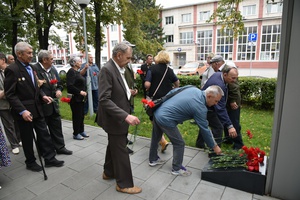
<point x="39" y="154"/>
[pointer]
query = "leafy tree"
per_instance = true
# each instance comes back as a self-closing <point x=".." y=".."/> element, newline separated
<point x="142" y="26"/>
<point x="228" y="16"/>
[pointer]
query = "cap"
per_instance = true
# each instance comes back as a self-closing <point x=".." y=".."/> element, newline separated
<point x="216" y="58"/>
<point x="211" y="55"/>
<point x="129" y="44"/>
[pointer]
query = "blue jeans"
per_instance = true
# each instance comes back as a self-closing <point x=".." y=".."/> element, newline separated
<point x="175" y="138"/>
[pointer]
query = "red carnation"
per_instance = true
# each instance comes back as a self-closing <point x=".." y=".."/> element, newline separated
<point x="53" y="81"/>
<point x="151" y="104"/>
<point x="140" y="72"/>
<point x="65" y="99"/>
<point x="95" y="74"/>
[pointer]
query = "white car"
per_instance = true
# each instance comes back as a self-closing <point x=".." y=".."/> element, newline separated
<point x="62" y="69"/>
<point x="135" y="67"/>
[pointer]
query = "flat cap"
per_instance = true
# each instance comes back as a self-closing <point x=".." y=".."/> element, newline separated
<point x="128" y="43"/>
<point x="216" y="58"/>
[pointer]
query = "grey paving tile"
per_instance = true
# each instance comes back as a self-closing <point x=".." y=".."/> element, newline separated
<point x="173" y="195"/>
<point x="110" y="193"/>
<point x="155" y="185"/>
<point x="41" y="186"/>
<point x="231" y="194"/>
<point x="186" y="185"/>
<point x="83" y="177"/>
<point x="58" y="192"/>
<point x="83" y="163"/>
<point x="21" y="194"/>
<point x="89" y="191"/>
<point x="10" y="187"/>
<point x="206" y="192"/>
<point x="89" y="149"/>
<point x="199" y="161"/>
<point x="140" y="156"/>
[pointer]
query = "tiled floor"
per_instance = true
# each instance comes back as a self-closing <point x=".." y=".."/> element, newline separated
<point x="80" y="177"/>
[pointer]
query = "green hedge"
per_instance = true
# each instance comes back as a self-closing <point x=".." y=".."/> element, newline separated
<point x="256" y="92"/>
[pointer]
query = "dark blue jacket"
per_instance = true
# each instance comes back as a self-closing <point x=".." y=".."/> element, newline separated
<point x="220" y="108"/>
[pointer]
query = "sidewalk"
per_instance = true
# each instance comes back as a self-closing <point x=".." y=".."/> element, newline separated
<point x="80" y="178"/>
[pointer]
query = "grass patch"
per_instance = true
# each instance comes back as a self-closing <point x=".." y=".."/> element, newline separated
<point x="259" y="122"/>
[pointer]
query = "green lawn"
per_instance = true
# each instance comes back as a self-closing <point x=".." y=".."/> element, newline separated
<point x="259" y="122"/>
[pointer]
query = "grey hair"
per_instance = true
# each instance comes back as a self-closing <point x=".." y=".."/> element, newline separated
<point x="2" y="56"/>
<point x="215" y="90"/>
<point x="21" y="47"/>
<point x="228" y="69"/>
<point x="73" y="60"/>
<point x="120" y="47"/>
<point x="43" y="54"/>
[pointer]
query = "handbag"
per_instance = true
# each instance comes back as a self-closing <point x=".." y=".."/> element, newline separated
<point x="153" y="105"/>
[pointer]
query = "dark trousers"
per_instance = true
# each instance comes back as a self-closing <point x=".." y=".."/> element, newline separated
<point x="54" y="125"/>
<point x="43" y="138"/>
<point x="95" y="102"/>
<point x="117" y="162"/>
<point x="77" y="117"/>
<point x="216" y="129"/>
<point x="234" y="116"/>
<point x="12" y="133"/>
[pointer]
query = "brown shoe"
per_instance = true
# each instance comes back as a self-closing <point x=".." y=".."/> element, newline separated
<point x="164" y="146"/>
<point x="132" y="190"/>
<point x="105" y="177"/>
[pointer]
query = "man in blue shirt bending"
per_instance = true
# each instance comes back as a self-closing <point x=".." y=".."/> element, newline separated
<point x="191" y="103"/>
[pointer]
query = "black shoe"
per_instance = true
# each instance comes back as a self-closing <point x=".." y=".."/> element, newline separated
<point x="64" y="151"/>
<point x="54" y="163"/>
<point x="129" y="142"/>
<point x="129" y="151"/>
<point x="34" y="167"/>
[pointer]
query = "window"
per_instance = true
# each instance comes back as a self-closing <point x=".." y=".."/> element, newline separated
<point x="186" y="38"/>
<point x="270" y="42"/>
<point x="170" y="20"/>
<point x="186" y="18"/>
<point x="244" y="51"/>
<point x="204" y="44"/>
<point x="169" y="38"/>
<point x="204" y="15"/>
<point x="104" y="59"/>
<point x="249" y="10"/>
<point x="274" y="7"/>
<point x="113" y="27"/>
<point x="114" y="43"/>
<point x="225" y="44"/>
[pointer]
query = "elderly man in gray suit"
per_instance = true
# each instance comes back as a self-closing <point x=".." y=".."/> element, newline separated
<point x="113" y="116"/>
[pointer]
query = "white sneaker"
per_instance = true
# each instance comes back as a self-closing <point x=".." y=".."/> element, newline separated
<point x="182" y="172"/>
<point x="157" y="162"/>
<point x="15" y="151"/>
<point x="20" y="144"/>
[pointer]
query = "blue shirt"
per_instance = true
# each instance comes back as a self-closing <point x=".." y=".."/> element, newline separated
<point x="94" y="71"/>
<point x="188" y="104"/>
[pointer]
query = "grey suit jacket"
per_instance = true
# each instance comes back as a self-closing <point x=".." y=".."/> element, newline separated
<point x="114" y="105"/>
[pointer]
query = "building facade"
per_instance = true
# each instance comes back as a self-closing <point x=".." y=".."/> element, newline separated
<point x="190" y="38"/>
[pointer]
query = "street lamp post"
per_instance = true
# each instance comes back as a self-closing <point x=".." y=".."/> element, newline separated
<point x="83" y="4"/>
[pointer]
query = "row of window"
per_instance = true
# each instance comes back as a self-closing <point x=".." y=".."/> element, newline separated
<point x="246" y="11"/>
<point x="269" y="47"/>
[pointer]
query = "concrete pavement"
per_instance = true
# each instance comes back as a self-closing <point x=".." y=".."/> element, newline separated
<point x="80" y="178"/>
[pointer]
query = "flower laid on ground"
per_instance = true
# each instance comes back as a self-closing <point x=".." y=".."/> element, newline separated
<point x="247" y="157"/>
<point x="65" y="100"/>
<point x="150" y="103"/>
<point x="53" y="81"/>
<point x="250" y="135"/>
<point x="140" y="72"/>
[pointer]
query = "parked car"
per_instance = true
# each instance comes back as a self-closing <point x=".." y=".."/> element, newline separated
<point x="192" y="68"/>
<point x="62" y="69"/>
<point x="135" y="67"/>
